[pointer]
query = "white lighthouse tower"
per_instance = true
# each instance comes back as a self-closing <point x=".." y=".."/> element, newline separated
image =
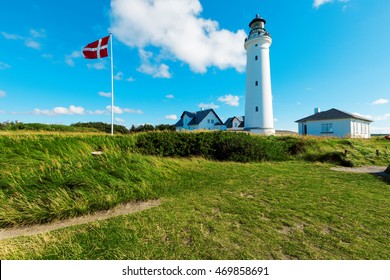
<point x="258" y="104"/>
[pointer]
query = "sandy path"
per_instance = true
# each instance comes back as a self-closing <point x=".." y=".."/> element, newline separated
<point x="119" y="210"/>
<point x="363" y="169"/>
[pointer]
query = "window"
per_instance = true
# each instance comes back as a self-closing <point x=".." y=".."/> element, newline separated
<point x="256" y="83"/>
<point x="208" y="121"/>
<point x="327" y="128"/>
<point x="256" y="57"/>
<point x="212" y="121"/>
<point x="235" y="124"/>
<point x="257" y="109"/>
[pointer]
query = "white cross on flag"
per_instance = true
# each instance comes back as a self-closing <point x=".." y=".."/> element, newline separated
<point x="97" y="49"/>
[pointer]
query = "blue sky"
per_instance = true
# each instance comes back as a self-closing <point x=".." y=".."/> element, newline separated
<point x="178" y="55"/>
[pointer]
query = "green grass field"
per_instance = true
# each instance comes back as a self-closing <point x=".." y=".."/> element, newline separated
<point x="292" y="209"/>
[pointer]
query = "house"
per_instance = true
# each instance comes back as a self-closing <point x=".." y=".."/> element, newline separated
<point x="235" y="123"/>
<point x="334" y="123"/>
<point x="205" y="119"/>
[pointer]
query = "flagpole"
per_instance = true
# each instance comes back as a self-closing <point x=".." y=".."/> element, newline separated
<point x="112" y="89"/>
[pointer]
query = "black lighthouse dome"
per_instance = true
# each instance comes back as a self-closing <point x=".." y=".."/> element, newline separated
<point x="257" y="19"/>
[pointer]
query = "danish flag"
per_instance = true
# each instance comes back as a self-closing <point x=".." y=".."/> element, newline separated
<point x="97" y="49"/>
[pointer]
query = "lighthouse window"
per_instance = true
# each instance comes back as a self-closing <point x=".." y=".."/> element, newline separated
<point x="257" y="109"/>
<point x="256" y="57"/>
<point x="256" y="83"/>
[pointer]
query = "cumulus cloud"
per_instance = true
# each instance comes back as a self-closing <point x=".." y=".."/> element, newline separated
<point x="2" y="93"/>
<point x="172" y="117"/>
<point x="179" y="31"/>
<point x="9" y="36"/>
<point x="318" y="3"/>
<point x="105" y="94"/>
<point x="33" y="44"/>
<point x="119" y="111"/>
<point x="70" y="59"/>
<point x="229" y="99"/>
<point x="208" y="106"/>
<point x="38" y="33"/>
<point x="119" y="120"/>
<point x="97" y="66"/>
<point x="380" y="101"/>
<point x="119" y="76"/>
<point x="29" y="41"/>
<point x="147" y="67"/>
<point x="72" y="110"/>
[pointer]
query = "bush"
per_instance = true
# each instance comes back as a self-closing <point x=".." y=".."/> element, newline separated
<point x="222" y="146"/>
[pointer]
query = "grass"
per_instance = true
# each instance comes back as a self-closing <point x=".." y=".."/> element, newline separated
<point x="210" y="210"/>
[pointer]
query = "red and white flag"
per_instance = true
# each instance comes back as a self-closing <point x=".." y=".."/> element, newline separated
<point x="97" y="49"/>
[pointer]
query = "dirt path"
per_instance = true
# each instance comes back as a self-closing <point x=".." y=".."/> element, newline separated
<point x="119" y="210"/>
<point x="362" y="169"/>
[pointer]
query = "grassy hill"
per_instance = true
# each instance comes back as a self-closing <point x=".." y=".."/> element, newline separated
<point x="282" y="203"/>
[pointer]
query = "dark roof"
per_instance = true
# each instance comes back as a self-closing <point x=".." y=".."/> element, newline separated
<point x="229" y="121"/>
<point x="332" y="114"/>
<point x="197" y="117"/>
<point x="180" y="122"/>
<point x="256" y="19"/>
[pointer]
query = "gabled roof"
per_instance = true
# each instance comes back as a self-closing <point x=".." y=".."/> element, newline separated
<point x="331" y="115"/>
<point x="198" y="117"/>
<point x="229" y="121"/>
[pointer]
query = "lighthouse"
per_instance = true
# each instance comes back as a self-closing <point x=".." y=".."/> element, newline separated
<point x="258" y="103"/>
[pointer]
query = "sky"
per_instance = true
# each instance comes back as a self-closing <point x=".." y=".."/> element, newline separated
<point x="172" y="56"/>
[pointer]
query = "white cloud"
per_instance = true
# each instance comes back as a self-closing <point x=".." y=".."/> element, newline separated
<point x="170" y="96"/>
<point x="2" y="93"/>
<point x="97" y="66"/>
<point x="119" y="76"/>
<point x="4" y="65"/>
<point x="69" y="59"/>
<point x="72" y="110"/>
<point x="33" y="44"/>
<point x="119" y="111"/>
<point x="179" y="31"/>
<point x="105" y="94"/>
<point x="29" y="41"/>
<point x="11" y="36"/>
<point x="172" y="117"/>
<point x="380" y="101"/>
<point x="383" y="117"/>
<point x="363" y="116"/>
<point x="208" y="106"/>
<point x="229" y="99"/>
<point x="98" y="112"/>
<point x="40" y="33"/>
<point x="130" y="79"/>
<point x="318" y="3"/>
<point x="119" y="120"/>
<point x="157" y="71"/>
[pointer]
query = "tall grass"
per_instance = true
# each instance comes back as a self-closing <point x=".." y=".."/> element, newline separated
<point x="45" y="178"/>
<point x="48" y="177"/>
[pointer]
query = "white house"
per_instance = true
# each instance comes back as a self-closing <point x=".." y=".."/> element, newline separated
<point x="235" y="123"/>
<point x="205" y="119"/>
<point x="334" y="123"/>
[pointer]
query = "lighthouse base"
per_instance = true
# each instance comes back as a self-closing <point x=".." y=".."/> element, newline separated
<point x="261" y="131"/>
